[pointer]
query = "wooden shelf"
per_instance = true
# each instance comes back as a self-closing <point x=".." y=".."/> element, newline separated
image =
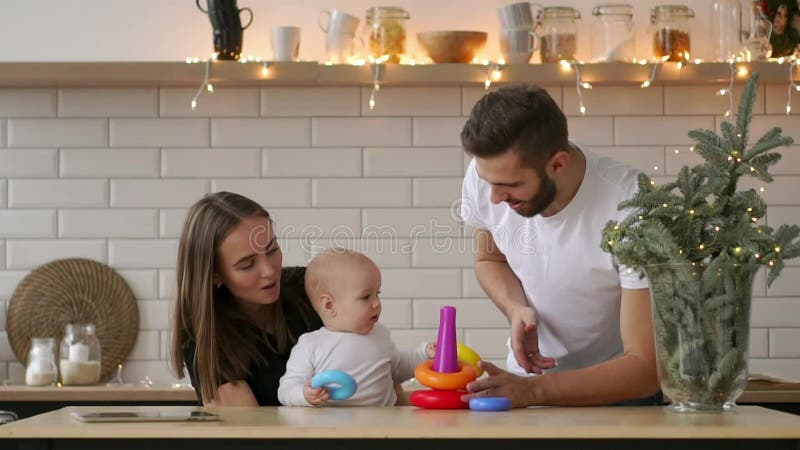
<point x="227" y="73"/>
<point x="121" y="393"/>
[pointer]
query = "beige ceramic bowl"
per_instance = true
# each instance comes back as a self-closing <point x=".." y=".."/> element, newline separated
<point x="452" y="46"/>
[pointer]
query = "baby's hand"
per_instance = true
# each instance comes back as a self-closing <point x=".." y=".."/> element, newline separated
<point x="430" y="349"/>
<point x="316" y="397"/>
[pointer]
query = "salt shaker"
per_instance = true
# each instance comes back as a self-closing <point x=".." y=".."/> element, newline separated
<point x="41" y="368"/>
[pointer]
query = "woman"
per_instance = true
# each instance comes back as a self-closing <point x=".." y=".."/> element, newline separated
<point x="237" y="313"/>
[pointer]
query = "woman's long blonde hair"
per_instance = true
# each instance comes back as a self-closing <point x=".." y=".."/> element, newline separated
<point x="225" y="340"/>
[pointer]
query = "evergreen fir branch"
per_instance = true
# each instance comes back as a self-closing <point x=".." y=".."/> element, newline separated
<point x="772" y="139"/>
<point x="730" y="137"/>
<point x="745" y="114"/>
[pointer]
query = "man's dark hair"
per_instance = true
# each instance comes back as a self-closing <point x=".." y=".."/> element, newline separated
<point x="523" y="118"/>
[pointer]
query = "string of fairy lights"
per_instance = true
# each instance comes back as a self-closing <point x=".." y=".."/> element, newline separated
<point x="494" y="73"/>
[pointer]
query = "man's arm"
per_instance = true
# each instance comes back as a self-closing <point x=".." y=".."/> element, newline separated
<point x="631" y="375"/>
<point x="504" y="289"/>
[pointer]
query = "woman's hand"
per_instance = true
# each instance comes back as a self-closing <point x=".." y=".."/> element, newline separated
<point x="525" y="341"/>
<point x="315" y="396"/>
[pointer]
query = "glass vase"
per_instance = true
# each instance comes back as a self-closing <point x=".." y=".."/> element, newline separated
<point x="701" y="320"/>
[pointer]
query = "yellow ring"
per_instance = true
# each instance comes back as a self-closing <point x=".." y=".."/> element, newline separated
<point x="469" y="356"/>
<point x="444" y="381"/>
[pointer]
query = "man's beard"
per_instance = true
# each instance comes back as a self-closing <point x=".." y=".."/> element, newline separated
<point x="543" y="198"/>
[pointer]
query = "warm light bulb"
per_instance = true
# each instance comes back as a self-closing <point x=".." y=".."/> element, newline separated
<point x="487" y="83"/>
<point x="586" y="85"/>
<point x="371" y="104"/>
<point x="264" y="69"/>
<point x="737" y="250"/>
<point x="583" y="110"/>
<point x="496" y="74"/>
<point x="691" y="211"/>
<point x="722" y="92"/>
<point x="565" y="65"/>
<point x="777" y="249"/>
<point x="194" y="104"/>
<point x="210" y="88"/>
<point x="646" y="84"/>
<point x="743" y="71"/>
<point x="702" y="246"/>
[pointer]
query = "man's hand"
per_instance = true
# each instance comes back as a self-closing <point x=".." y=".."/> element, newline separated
<point x="525" y="341"/>
<point x="500" y="383"/>
<point x="430" y="349"/>
<point x="316" y="397"/>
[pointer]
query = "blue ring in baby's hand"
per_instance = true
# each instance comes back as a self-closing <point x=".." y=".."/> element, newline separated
<point x="330" y="378"/>
<point x="490" y="404"/>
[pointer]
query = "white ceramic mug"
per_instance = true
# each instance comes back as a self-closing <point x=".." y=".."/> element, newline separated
<point x="517" y="45"/>
<point x="518" y="15"/>
<point x="285" y="43"/>
<point x="338" y="22"/>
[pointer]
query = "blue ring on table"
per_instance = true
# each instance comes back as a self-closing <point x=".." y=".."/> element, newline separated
<point x="490" y="404"/>
<point x="329" y="378"/>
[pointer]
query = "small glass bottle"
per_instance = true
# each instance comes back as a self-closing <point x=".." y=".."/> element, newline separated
<point x="80" y="355"/>
<point x="558" y="31"/>
<point x="756" y="39"/>
<point x="725" y="29"/>
<point x="671" y="35"/>
<point x="613" y="33"/>
<point x="386" y="26"/>
<point x="41" y="368"/>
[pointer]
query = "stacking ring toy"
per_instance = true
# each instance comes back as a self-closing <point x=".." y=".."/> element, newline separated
<point x="490" y="404"/>
<point x="330" y="378"/>
<point x="444" y="381"/>
<point x="438" y="399"/>
<point x="469" y="356"/>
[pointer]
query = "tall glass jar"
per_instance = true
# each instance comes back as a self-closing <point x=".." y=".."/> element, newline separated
<point x="558" y="31"/>
<point x="671" y="32"/>
<point x="725" y="29"/>
<point x="80" y="355"/>
<point x="613" y="33"/>
<point x="41" y="365"/>
<point x="386" y="26"/>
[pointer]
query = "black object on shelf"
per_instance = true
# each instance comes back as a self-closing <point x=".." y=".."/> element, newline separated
<point x="227" y="26"/>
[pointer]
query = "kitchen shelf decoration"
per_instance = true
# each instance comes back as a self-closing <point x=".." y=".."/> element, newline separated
<point x="700" y="243"/>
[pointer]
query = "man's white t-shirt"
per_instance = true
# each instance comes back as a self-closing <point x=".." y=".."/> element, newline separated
<point x="371" y="359"/>
<point x="574" y="285"/>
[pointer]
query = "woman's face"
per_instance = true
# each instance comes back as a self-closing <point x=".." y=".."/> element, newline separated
<point x="249" y="262"/>
<point x="781" y="20"/>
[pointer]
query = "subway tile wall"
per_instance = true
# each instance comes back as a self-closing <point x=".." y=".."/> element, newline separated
<point x="107" y="174"/>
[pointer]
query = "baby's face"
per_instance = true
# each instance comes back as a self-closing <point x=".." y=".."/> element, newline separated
<point x="356" y="298"/>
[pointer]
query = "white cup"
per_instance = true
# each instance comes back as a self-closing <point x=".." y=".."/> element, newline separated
<point x="517" y="15"/>
<point x="517" y="45"/>
<point x="338" y="22"/>
<point x="285" y="43"/>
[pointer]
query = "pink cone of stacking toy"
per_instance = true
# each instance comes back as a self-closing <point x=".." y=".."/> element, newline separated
<point x="446" y="359"/>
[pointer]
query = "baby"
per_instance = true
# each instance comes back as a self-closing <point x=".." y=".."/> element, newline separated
<point x="344" y="288"/>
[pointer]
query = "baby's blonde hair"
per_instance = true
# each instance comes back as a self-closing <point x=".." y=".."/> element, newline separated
<point x="320" y="272"/>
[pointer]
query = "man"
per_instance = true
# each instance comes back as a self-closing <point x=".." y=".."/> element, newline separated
<point x="538" y="203"/>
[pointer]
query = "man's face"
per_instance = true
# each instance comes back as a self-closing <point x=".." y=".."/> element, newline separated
<point x="526" y="190"/>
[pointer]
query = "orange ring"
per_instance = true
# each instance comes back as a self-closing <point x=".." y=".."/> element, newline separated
<point x="444" y="381"/>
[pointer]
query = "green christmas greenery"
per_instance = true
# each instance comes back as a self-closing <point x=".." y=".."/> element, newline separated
<point x="699" y="241"/>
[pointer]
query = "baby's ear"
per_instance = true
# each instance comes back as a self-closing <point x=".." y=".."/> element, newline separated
<point x="328" y="304"/>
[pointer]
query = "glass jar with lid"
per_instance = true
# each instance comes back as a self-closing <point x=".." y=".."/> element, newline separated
<point x="41" y="365"/>
<point x="671" y="32"/>
<point x="613" y="33"/>
<point x="80" y="355"/>
<point x="386" y="26"/>
<point x="558" y="33"/>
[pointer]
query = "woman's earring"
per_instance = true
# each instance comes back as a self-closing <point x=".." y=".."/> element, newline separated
<point x="219" y="285"/>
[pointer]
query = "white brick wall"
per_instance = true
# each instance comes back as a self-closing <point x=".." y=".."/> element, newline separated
<point x="108" y="174"/>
